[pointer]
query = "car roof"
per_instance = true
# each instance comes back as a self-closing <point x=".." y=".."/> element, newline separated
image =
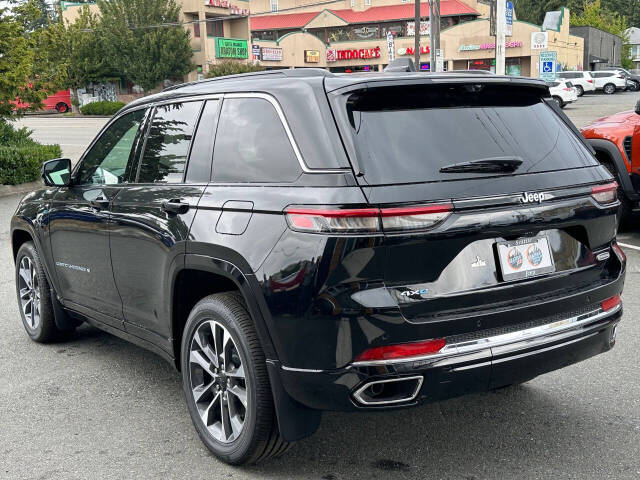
<point x="274" y="80"/>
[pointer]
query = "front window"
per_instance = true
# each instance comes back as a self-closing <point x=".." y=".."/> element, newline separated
<point x="112" y="157"/>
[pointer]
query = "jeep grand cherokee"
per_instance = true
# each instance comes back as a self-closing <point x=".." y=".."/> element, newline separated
<point x="301" y="241"/>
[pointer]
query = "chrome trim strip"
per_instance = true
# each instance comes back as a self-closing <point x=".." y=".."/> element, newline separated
<point x="283" y="120"/>
<point x="304" y="370"/>
<point x="527" y="335"/>
<point x="357" y="394"/>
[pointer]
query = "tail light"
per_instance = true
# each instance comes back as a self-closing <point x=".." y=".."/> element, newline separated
<point x="567" y="89"/>
<point x="611" y="303"/>
<point x="403" y="350"/>
<point x="590" y="81"/>
<point x="605" y="194"/>
<point x="366" y="220"/>
<point x="619" y="252"/>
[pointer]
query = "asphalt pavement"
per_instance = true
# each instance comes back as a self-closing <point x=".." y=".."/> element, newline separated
<point x="98" y="407"/>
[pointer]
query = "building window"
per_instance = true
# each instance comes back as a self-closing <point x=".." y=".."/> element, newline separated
<point x="196" y="28"/>
<point x="367" y="2"/>
<point x="215" y="27"/>
<point x="353" y="3"/>
<point x="274" y="5"/>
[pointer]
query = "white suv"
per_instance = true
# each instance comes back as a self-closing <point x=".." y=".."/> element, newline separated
<point x="562" y="92"/>
<point x="582" y="81"/>
<point x="609" y="81"/>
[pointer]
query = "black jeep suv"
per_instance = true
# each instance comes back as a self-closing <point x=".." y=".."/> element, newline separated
<point x="301" y="241"/>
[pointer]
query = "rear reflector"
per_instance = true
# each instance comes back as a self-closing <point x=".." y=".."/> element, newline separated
<point x="618" y="251"/>
<point x="611" y="303"/>
<point x="403" y="350"/>
<point x="605" y="194"/>
<point x="363" y="220"/>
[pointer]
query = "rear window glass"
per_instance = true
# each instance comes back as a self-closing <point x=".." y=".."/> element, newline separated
<point x="407" y="134"/>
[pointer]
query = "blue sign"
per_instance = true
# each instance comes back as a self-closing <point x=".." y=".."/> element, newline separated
<point x="548" y="65"/>
<point x="509" y="15"/>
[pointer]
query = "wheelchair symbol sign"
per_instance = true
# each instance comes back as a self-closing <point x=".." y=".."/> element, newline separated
<point x="547" y="67"/>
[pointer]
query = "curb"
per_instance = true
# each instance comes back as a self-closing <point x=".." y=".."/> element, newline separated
<point x="6" y="190"/>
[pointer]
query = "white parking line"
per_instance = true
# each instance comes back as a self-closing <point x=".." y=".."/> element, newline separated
<point x="626" y="245"/>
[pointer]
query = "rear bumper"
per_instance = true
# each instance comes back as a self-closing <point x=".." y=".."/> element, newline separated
<point x="470" y="365"/>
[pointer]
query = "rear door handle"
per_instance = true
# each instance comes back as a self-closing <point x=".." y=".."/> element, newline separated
<point x="100" y="203"/>
<point x="175" y="205"/>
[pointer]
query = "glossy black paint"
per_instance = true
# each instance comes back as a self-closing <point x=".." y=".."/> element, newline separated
<point x="114" y="254"/>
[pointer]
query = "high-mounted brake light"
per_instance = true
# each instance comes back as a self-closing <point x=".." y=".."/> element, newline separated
<point x="362" y="220"/>
<point x="403" y="350"/>
<point x="611" y="303"/>
<point x="605" y="194"/>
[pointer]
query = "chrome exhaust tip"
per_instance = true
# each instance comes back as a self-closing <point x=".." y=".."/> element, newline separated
<point x="390" y="391"/>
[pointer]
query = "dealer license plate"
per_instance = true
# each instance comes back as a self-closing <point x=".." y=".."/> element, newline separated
<point x="525" y="258"/>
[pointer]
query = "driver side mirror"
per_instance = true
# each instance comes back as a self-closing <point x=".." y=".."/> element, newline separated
<point x="56" y="173"/>
<point x="638" y="107"/>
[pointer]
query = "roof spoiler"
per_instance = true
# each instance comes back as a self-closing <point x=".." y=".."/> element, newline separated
<point x="401" y="65"/>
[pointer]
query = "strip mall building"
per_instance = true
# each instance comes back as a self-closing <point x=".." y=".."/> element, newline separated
<point x="354" y="38"/>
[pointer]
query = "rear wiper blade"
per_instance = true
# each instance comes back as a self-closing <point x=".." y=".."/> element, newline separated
<point x="485" y="165"/>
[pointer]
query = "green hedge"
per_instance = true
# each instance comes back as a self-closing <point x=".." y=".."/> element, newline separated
<point x="21" y="163"/>
<point x="101" y="108"/>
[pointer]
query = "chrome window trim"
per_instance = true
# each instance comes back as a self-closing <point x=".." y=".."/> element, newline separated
<point x="269" y="98"/>
<point x="358" y="393"/>
<point x="511" y="341"/>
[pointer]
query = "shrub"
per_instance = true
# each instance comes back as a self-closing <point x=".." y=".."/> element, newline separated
<point x="21" y="163"/>
<point x="229" y="67"/>
<point x="10" y="136"/>
<point x="101" y="108"/>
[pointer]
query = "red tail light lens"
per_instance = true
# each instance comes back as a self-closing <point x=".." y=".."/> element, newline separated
<point x="611" y="303"/>
<point x="618" y="251"/>
<point x="590" y="81"/>
<point x="403" y="350"/>
<point x="605" y="194"/>
<point x="363" y="220"/>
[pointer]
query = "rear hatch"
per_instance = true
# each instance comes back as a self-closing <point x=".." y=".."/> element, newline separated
<point x="515" y="209"/>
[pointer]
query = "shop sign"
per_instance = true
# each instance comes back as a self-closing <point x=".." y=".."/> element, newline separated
<point x="312" y="56"/>
<point x="227" y="4"/>
<point x="255" y="52"/>
<point x="355" y="54"/>
<point x="271" y="54"/>
<point x="487" y="46"/>
<point x="539" y="40"/>
<point x="366" y="32"/>
<point x="425" y="28"/>
<point x="424" y="49"/>
<point x="231" y="48"/>
<point x="391" y="47"/>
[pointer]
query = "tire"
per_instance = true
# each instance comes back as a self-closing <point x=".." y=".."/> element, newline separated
<point x="624" y="213"/>
<point x="256" y="437"/>
<point x="635" y="86"/>
<point x="62" y="107"/>
<point x="36" y="309"/>
<point x="609" y="89"/>
<point x="579" y="90"/>
<point x="559" y="101"/>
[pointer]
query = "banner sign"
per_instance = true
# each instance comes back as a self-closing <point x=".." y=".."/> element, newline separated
<point x="271" y="54"/>
<point x="391" y="47"/>
<point x="425" y="28"/>
<point x="231" y="48"/>
<point x="509" y="28"/>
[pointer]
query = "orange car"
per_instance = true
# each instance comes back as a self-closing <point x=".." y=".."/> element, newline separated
<point x="616" y="141"/>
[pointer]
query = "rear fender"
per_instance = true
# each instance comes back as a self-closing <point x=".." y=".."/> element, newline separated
<point x="612" y="151"/>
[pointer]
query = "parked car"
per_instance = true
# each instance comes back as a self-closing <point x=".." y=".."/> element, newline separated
<point x="280" y="239"/>
<point x="616" y="141"/>
<point x="609" y="81"/>
<point x="562" y="92"/>
<point x="59" y="101"/>
<point x="582" y="81"/>
<point x="633" y="79"/>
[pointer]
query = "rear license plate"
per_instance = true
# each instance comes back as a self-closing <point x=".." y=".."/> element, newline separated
<point x="525" y="258"/>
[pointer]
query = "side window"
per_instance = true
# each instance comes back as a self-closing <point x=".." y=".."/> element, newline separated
<point x="252" y="145"/>
<point x="168" y="140"/>
<point x="112" y="157"/>
<point x="199" y="166"/>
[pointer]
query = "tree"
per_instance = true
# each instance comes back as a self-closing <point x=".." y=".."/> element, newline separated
<point x="143" y="40"/>
<point x="230" y="67"/>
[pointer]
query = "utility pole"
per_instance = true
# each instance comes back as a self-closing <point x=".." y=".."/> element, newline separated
<point x="416" y="34"/>
<point x="501" y="23"/>
<point x="435" y="35"/>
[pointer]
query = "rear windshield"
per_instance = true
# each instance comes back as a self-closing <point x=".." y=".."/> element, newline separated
<point x="407" y="134"/>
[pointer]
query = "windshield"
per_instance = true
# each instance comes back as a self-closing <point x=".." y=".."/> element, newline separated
<point x="407" y="134"/>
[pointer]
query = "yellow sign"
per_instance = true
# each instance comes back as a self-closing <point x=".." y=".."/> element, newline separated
<point x="312" y="56"/>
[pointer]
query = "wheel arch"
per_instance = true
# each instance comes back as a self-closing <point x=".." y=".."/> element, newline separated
<point x="609" y="152"/>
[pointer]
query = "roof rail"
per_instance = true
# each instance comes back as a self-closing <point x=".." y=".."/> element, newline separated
<point x="293" y="73"/>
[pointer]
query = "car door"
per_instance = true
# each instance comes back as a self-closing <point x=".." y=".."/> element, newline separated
<point x="79" y="220"/>
<point x="151" y="216"/>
